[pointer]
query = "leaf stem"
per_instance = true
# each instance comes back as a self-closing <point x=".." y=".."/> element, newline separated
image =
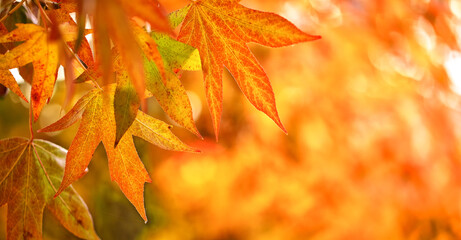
<point x="30" y="122"/>
<point x="43" y="14"/>
<point x="75" y="56"/>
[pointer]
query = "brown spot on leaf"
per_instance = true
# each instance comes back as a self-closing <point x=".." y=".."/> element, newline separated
<point x="28" y="235"/>
<point x="35" y="96"/>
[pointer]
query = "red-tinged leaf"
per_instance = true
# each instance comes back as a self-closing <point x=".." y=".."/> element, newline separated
<point x="28" y="175"/>
<point x="7" y="80"/>
<point x="98" y="124"/>
<point x="220" y="31"/>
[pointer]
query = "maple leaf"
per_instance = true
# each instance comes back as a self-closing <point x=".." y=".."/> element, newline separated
<point x="29" y="173"/>
<point x="220" y="29"/>
<point x="42" y="51"/>
<point x="98" y="125"/>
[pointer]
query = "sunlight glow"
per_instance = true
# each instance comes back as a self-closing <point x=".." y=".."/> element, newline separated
<point x="452" y="65"/>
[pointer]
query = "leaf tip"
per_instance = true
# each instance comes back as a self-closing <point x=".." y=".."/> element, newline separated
<point x="316" y="37"/>
<point x="216" y="129"/>
<point x="282" y="128"/>
<point x="196" y="132"/>
<point x="36" y="116"/>
<point x="189" y="149"/>
<point x="308" y="37"/>
<point x="144" y="216"/>
<point x="280" y="124"/>
<point x="23" y="98"/>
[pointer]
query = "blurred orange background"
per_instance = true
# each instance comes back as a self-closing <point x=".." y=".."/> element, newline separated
<point x="372" y="151"/>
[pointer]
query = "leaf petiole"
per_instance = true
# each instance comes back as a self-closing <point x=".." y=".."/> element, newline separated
<point x="30" y="122"/>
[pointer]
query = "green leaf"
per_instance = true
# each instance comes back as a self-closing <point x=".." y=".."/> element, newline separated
<point x="177" y="17"/>
<point x="176" y="54"/>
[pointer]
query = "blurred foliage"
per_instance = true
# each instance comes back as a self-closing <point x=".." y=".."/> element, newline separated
<point x="373" y="150"/>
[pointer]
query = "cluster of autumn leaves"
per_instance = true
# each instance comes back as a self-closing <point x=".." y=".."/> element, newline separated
<point x="136" y="54"/>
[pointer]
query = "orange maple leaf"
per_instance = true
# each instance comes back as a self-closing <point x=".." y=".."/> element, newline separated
<point x="220" y="29"/>
<point x="98" y="125"/>
<point x="40" y="51"/>
<point x="43" y="52"/>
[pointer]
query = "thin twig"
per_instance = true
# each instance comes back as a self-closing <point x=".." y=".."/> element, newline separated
<point x="43" y="14"/>
<point x="70" y="51"/>
<point x="12" y="11"/>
